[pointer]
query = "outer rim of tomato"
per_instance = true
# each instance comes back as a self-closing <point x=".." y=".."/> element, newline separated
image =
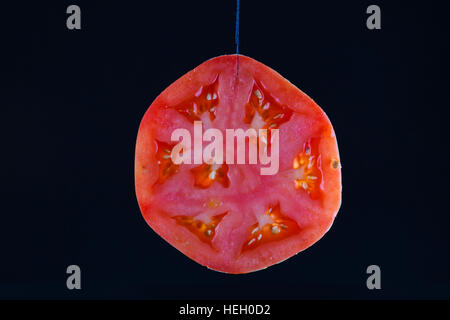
<point x="299" y="102"/>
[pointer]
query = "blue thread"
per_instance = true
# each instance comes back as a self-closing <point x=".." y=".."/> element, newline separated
<point x="236" y="35"/>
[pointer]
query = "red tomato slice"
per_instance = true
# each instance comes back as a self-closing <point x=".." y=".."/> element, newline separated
<point x="229" y="217"/>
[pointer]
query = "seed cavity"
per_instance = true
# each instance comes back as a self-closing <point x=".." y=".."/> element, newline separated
<point x="204" y="230"/>
<point x="204" y="101"/>
<point x="263" y="111"/>
<point x="307" y="170"/>
<point x="166" y="167"/>
<point x="206" y="174"/>
<point x="271" y="226"/>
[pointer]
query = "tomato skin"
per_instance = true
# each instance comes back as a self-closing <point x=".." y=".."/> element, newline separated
<point x="159" y="203"/>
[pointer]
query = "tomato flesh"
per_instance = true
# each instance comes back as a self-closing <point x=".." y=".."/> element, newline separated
<point x="228" y="216"/>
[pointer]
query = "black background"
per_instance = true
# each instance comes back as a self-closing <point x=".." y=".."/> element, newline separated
<point x="71" y="106"/>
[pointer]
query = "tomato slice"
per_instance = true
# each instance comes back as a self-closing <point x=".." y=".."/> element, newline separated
<point x="227" y="216"/>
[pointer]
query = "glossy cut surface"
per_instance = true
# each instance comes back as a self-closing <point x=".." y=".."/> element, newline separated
<point x="229" y="217"/>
